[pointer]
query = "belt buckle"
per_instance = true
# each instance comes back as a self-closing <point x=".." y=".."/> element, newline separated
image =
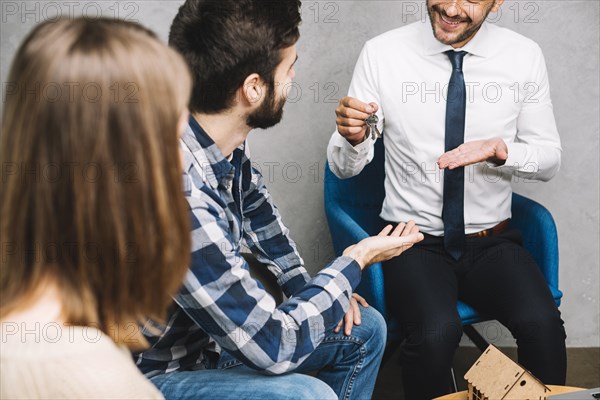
<point x="495" y="230"/>
<point x="483" y="233"/>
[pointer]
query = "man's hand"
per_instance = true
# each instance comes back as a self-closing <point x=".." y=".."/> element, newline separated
<point x="352" y="316"/>
<point x="492" y="150"/>
<point x="351" y="114"/>
<point x="389" y="243"/>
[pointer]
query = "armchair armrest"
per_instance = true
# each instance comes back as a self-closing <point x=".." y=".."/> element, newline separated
<point x="540" y="238"/>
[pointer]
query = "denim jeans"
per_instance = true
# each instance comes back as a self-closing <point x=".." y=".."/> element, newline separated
<point x="345" y="366"/>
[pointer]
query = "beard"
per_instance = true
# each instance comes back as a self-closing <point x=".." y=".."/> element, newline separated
<point x="467" y="33"/>
<point x="268" y="114"/>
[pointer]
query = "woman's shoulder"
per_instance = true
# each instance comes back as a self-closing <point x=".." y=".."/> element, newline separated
<point x="69" y="362"/>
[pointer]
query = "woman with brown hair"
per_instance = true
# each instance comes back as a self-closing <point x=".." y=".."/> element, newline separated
<point x="95" y="230"/>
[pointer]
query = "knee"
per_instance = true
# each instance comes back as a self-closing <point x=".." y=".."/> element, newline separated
<point x="299" y="386"/>
<point x="434" y="339"/>
<point x="537" y="324"/>
<point x="373" y="328"/>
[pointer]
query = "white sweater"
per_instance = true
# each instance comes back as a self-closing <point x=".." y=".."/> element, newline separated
<point x="51" y="361"/>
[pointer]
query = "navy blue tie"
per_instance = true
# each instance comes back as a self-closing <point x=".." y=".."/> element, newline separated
<point x="454" y="180"/>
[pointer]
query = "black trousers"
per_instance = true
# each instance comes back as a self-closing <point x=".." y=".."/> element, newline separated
<point x="498" y="277"/>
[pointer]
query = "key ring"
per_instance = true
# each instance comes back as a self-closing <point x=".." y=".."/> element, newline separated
<point x="371" y="122"/>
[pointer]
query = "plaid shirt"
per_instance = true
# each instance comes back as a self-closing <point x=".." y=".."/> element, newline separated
<point x="220" y="305"/>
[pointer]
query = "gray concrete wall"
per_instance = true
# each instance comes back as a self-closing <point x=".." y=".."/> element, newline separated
<point x="292" y="154"/>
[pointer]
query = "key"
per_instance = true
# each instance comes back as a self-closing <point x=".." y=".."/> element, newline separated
<point x="372" y="121"/>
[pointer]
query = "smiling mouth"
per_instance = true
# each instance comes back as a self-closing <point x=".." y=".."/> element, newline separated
<point x="449" y="22"/>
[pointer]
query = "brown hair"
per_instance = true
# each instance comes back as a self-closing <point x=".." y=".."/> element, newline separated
<point x="224" y="41"/>
<point x="91" y="193"/>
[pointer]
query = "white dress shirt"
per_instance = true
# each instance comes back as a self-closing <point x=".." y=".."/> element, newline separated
<point x="406" y="72"/>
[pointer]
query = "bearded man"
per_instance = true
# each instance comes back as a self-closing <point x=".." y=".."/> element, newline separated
<point x="225" y="337"/>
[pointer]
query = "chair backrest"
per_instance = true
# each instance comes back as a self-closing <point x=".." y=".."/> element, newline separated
<point x="361" y="196"/>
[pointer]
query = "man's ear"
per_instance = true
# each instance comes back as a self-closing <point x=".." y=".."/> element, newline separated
<point x="253" y="89"/>
<point x="497" y="5"/>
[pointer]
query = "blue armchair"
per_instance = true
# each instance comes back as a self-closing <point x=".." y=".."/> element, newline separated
<point x="353" y="206"/>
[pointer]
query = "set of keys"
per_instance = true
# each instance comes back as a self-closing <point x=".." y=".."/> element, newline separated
<point x="372" y="121"/>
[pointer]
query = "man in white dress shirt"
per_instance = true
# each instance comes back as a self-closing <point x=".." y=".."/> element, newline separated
<point x="457" y="95"/>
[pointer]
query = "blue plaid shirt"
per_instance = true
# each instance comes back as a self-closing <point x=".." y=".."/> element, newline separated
<point x="220" y="306"/>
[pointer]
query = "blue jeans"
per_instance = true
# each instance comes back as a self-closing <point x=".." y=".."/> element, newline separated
<point x="346" y="368"/>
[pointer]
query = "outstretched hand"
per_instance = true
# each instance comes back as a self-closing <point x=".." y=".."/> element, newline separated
<point x="389" y="243"/>
<point x="492" y="150"/>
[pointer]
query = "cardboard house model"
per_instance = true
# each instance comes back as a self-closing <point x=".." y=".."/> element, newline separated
<point x="494" y="376"/>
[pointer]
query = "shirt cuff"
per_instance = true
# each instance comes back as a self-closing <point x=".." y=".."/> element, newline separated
<point x="358" y="151"/>
<point x="347" y="267"/>
<point x="517" y="153"/>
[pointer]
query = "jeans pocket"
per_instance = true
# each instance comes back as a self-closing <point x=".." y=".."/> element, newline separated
<point x="227" y="361"/>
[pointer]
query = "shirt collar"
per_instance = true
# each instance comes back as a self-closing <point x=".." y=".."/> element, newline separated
<point x="220" y="167"/>
<point x="479" y="45"/>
